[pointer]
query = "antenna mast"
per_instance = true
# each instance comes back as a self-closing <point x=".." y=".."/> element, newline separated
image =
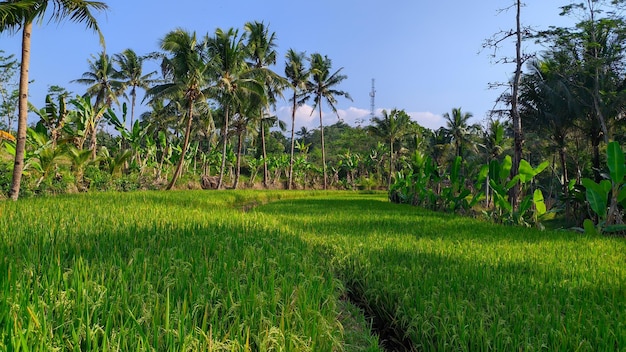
<point x="372" y="100"/>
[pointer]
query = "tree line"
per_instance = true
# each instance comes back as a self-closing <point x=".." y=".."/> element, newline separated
<point x="210" y="117"/>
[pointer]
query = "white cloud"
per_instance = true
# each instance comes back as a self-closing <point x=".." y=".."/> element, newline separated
<point x="428" y="119"/>
<point x="353" y="116"/>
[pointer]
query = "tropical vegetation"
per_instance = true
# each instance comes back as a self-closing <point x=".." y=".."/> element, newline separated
<point x="296" y="270"/>
<point x="91" y="269"/>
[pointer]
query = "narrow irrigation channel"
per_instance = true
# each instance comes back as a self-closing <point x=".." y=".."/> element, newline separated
<point x="391" y="337"/>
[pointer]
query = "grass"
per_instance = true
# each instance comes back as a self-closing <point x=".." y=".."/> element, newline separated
<point x="151" y="271"/>
<point x="450" y="283"/>
<point x="264" y="271"/>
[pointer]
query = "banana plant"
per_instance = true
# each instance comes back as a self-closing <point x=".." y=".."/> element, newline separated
<point x="41" y="156"/>
<point x="79" y="159"/>
<point x="53" y="116"/>
<point x="349" y="162"/>
<point x="413" y="186"/>
<point x="605" y="197"/>
<point x="254" y="164"/>
<point x="531" y="207"/>
<point x="454" y="196"/>
<point x="86" y="119"/>
<point x="132" y="138"/>
<point x="116" y="162"/>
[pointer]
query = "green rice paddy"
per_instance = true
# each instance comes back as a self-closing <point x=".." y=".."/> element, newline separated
<point x="273" y="271"/>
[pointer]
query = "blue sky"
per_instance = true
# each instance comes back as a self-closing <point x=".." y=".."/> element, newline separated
<point x="425" y="55"/>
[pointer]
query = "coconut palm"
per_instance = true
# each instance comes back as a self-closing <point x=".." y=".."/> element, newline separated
<point x="19" y="15"/>
<point x="131" y="74"/>
<point x="392" y="126"/>
<point x="298" y="77"/>
<point x="494" y="142"/>
<point x="323" y="88"/>
<point x="548" y="103"/>
<point x="458" y="128"/>
<point x="261" y="46"/>
<point x="101" y="81"/>
<point x="235" y="79"/>
<point x="243" y="123"/>
<point x="185" y="69"/>
<point x="305" y="134"/>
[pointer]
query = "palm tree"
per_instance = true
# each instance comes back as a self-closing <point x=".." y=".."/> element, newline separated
<point x="458" y="128"/>
<point x="131" y="73"/>
<point x="494" y="139"/>
<point x="304" y="134"/>
<point x="102" y="82"/>
<point x="548" y="103"/>
<point x="186" y="72"/>
<point x="234" y="80"/>
<point x="298" y="77"/>
<point x="322" y="88"/>
<point x="245" y="119"/>
<point x="19" y="15"/>
<point x="261" y="45"/>
<point x="392" y="126"/>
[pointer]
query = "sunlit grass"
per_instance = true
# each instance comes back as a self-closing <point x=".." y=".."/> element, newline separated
<point x="452" y="283"/>
<point x="262" y="271"/>
<point x="161" y="271"/>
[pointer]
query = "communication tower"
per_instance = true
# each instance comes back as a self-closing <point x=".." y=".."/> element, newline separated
<point x="372" y="100"/>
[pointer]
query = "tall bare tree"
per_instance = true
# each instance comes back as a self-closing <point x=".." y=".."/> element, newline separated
<point x="518" y="34"/>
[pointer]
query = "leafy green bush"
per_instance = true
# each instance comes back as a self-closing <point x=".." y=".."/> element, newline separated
<point x="126" y="183"/>
<point x="607" y="198"/>
<point x="60" y="182"/>
<point x="97" y="179"/>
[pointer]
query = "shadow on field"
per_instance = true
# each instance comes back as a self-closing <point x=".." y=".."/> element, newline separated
<point x="436" y="281"/>
<point x="363" y="217"/>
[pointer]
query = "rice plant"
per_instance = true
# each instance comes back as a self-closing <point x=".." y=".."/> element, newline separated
<point x="264" y="271"/>
<point x="445" y="282"/>
<point x="154" y="271"/>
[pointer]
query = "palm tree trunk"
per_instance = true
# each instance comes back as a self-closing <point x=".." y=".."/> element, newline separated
<point x="595" y="159"/>
<point x="390" y="164"/>
<point x="22" y="122"/>
<point x="319" y="104"/>
<point x="563" y="159"/>
<point x="265" y="172"/>
<point x="220" y="182"/>
<point x="597" y="100"/>
<point x="133" y="94"/>
<point x="293" y="126"/>
<point x="179" y="167"/>
<point x="238" y="170"/>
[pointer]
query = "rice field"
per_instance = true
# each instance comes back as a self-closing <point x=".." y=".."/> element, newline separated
<point x="272" y="271"/>
<point x="442" y="282"/>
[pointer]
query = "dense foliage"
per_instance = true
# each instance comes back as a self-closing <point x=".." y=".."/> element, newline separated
<point x="208" y="123"/>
